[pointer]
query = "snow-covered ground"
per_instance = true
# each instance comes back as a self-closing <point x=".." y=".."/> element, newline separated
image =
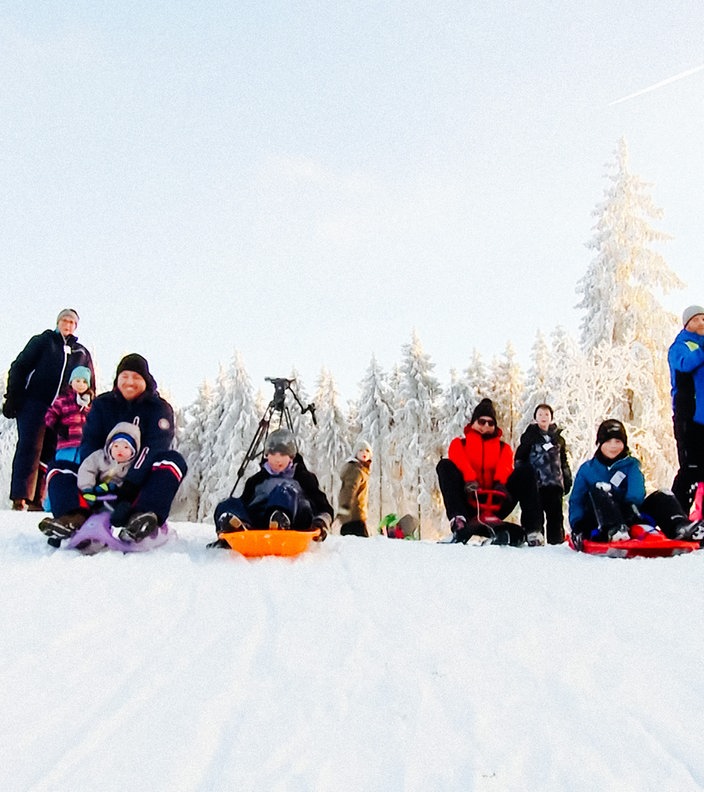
<point x="361" y="665"/>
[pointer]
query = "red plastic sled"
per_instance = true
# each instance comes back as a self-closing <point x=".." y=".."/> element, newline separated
<point x="645" y="542"/>
<point x="263" y="542"/>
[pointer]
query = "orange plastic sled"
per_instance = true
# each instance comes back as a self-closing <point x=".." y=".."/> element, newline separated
<point x="257" y="543"/>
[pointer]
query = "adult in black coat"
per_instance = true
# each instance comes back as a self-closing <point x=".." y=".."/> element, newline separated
<point x="35" y="379"/>
<point x="146" y="494"/>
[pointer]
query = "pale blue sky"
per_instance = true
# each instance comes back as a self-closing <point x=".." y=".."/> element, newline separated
<point x="308" y="182"/>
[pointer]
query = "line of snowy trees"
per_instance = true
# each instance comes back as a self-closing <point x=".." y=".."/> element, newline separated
<point x="616" y="369"/>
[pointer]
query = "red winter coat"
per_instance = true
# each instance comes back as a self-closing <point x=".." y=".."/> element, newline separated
<point x="483" y="458"/>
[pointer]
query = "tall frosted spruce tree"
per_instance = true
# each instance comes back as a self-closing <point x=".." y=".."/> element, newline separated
<point x="624" y="327"/>
<point x="373" y="420"/>
<point x="416" y="443"/>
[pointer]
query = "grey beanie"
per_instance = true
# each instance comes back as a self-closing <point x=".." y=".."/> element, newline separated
<point x="70" y="312"/>
<point x="690" y="313"/>
<point x="281" y="441"/>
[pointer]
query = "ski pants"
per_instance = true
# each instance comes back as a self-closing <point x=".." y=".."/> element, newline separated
<point x="689" y="437"/>
<point x="521" y="489"/>
<point x="285" y="497"/>
<point x="157" y="491"/>
<point x="35" y="447"/>
<point x="550" y="505"/>
<point x="660" y="507"/>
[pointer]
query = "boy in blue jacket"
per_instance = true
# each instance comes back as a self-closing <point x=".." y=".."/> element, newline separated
<point x="608" y="495"/>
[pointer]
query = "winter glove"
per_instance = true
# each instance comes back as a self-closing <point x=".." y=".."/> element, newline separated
<point x="8" y="409"/>
<point x="320" y="524"/>
<point x="121" y="513"/>
<point x="499" y="487"/>
<point x="471" y="487"/>
<point x="90" y="496"/>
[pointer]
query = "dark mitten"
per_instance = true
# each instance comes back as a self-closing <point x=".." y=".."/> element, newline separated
<point x="320" y="524"/>
<point x="121" y="513"/>
<point x="471" y="487"/>
<point x="8" y="409"/>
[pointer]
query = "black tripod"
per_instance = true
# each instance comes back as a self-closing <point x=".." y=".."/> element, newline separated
<point x="276" y="405"/>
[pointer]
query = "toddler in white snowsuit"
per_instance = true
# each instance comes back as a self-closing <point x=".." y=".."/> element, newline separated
<point x="104" y="470"/>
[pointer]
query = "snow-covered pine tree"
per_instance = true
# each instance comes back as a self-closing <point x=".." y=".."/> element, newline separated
<point x="304" y="427"/>
<point x="537" y="385"/>
<point x="507" y="390"/>
<point x="190" y="442"/>
<point x="416" y="444"/>
<point x="228" y="431"/>
<point x="621" y="309"/>
<point x="330" y="443"/>
<point x="459" y="400"/>
<point x="374" y="417"/>
<point x="477" y="379"/>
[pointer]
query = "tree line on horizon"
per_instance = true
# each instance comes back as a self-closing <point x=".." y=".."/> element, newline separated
<point x="617" y="368"/>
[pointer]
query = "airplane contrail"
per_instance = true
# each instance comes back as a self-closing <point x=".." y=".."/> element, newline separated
<point x="669" y="80"/>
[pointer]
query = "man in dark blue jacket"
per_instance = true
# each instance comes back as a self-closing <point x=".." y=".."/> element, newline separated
<point x="145" y="496"/>
<point x="35" y="379"/>
<point x="686" y="360"/>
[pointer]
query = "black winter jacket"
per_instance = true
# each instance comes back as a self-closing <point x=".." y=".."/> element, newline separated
<point x="42" y="368"/>
<point x="308" y="481"/>
<point x="546" y="452"/>
<point x="149" y="411"/>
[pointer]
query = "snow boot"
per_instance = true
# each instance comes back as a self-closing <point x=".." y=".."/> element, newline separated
<point x="228" y="522"/>
<point x="279" y="521"/>
<point x="62" y="527"/>
<point x="460" y="531"/>
<point x="535" y="539"/>
<point x="139" y="527"/>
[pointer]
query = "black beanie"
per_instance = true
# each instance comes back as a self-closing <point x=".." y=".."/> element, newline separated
<point x="485" y="409"/>
<point x="611" y="429"/>
<point x="138" y="364"/>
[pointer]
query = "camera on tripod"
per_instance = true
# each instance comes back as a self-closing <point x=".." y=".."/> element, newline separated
<point x="281" y="385"/>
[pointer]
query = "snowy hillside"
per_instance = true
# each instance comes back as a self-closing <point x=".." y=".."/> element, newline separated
<point x="362" y="665"/>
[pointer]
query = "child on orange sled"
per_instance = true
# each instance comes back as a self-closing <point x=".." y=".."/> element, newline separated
<point x="283" y="495"/>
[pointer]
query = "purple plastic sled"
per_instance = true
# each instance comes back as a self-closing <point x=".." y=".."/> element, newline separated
<point x="96" y="534"/>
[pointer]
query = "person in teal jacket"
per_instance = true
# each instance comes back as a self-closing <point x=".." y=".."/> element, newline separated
<point x="608" y="495"/>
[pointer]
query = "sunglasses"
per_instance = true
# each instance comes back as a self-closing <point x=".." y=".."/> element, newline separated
<point x="486" y="422"/>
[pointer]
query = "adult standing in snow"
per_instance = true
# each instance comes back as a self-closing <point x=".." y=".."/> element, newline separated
<point x="148" y="490"/>
<point x="481" y="460"/>
<point x="354" y="491"/>
<point x="686" y="361"/>
<point x="543" y="447"/>
<point x="36" y="377"/>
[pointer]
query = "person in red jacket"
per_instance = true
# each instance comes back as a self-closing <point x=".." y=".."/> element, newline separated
<point x="481" y="460"/>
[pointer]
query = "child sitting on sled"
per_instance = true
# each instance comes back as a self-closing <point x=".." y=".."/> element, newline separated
<point x="608" y="496"/>
<point x="103" y="471"/>
<point x="284" y="494"/>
